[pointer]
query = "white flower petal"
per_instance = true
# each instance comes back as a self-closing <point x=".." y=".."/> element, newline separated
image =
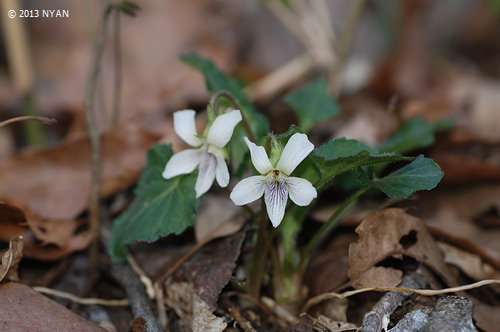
<point x="206" y="174"/>
<point x="185" y="127"/>
<point x="259" y="157"/>
<point x="276" y="195"/>
<point x="221" y="172"/>
<point x="222" y="129"/>
<point x="182" y="163"/>
<point x="301" y="191"/>
<point x="248" y="190"/>
<point x="296" y="149"/>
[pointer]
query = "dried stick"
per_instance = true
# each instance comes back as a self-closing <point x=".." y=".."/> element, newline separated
<point x="42" y="119"/>
<point x="242" y="321"/>
<point x="138" y="299"/>
<point x="344" y="45"/>
<point x="280" y="79"/>
<point x="80" y="300"/>
<point x="118" y="69"/>
<point x="94" y="134"/>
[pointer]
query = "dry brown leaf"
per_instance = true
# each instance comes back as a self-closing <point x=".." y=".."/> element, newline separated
<point x="393" y="233"/>
<point x="454" y="219"/>
<point x="55" y="182"/>
<point x="11" y="259"/>
<point x="217" y="216"/>
<point x="379" y="276"/>
<point x="186" y="303"/>
<point x="470" y="264"/>
<point x="210" y="269"/>
<point x="23" y="309"/>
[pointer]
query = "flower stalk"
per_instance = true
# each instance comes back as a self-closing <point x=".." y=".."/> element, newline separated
<point x="214" y="102"/>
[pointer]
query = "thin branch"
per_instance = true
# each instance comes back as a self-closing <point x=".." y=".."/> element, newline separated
<point x="42" y="119"/>
<point x="344" y="45"/>
<point x="242" y="321"/>
<point x="80" y="300"/>
<point x="280" y="79"/>
<point x="95" y="135"/>
<point x="146" y="281"/>
<point x="138" y="299"/>
<point x="426" y="292"/>
<point x="115" y="117"/>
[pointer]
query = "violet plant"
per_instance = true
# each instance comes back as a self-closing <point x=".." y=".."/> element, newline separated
<point x="287" y="165"/>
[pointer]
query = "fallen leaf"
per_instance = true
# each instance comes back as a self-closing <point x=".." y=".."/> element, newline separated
<point x="210" y="269"/>
<point x="470" y="264"/>
<point x="55" y="182"/>
<point x="393" y="233"/>
<point x="379" y="276"/>
<point x="43" y="239"/>
<point x="216" y="216"/>
<point x="23" y="309"/>
<point x="191" y="308"/>
<point x="11" y="259"/>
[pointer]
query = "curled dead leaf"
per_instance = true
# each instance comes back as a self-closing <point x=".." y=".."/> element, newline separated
<point x="11" y="259"/>
<point x="55" y="182"/>
<point x="394" y="233"/>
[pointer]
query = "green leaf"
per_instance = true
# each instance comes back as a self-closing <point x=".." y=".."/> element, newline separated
<point x="312" y="103"/>
<point x="341" y="155"/>
<point x="216" y="81"/>
<point x="416" y="133"/>
<point x="161" y="207"/>
<point x="421" y="174"/>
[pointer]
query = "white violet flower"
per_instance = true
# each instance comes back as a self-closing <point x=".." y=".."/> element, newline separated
<point x="274" y="182"/>
<point x="208" y="155"/>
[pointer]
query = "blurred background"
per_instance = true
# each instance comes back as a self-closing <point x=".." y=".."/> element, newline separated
<point x="437" y="58"/>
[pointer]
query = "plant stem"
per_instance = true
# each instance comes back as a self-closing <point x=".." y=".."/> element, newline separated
<point x="118" y="69"/>
<point x="95" y="137"/>
<point x="344" y="45"/>
<point x="225" y="94"/>
<point x="327" y="228"/>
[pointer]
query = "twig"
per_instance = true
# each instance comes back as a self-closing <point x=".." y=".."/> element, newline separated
<point x="138" y="299"/>
<point x="279" y="310"/>
<point x="42" y="119"/>
<point x="94" y="135"/>
<point x="344" y="45"/>
<point x="146" y="281"/>
<point x="79" y="300"/>
<point x="118" y="69"/>
<point x="242" y="321"/>
<point x="280" y="79"/>
<point x="426" y="292"/>
<point x="160" y="305"/>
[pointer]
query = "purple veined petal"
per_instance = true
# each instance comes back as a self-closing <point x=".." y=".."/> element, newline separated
<point x="248" y="190"/>
<point x="206" y="174"/>
<point x="221" y="172"/>
<point x="259" y="157"/>
<point x="185" y="127"/>
<point x="296" y="149"/>
<point x="301" y="191"/>
<point x="182" y="163"/>
<point x="222" y="129"/>
<point x="275" y="197"/>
